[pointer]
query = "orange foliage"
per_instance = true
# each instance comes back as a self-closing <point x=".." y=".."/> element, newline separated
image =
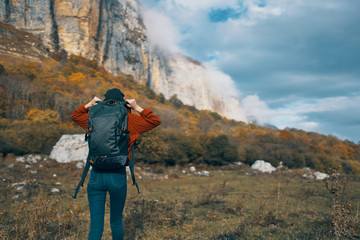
<point x="37" y="115"/>
<point x="77" y="77"/>
<point x="285" y="134"/>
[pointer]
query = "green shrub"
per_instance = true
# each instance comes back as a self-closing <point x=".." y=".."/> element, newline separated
<point x="22" y="137"/>
<point x="220" y="151"/>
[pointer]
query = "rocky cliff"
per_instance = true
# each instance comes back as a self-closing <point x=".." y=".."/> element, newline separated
<point x="112" y="32"/>
<point x="21" y="44"/>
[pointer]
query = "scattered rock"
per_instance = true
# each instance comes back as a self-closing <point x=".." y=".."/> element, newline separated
<point x="33" y="172"/>
<point x="238" y="163"/>
<point x="30" y="158"/>
<point x="263" y="166"/>
<point x="311" y="174"/>
<point x="20" y="159"/>
<point x="18" y="184"/>
<point x="55" y="190"/>
<point x="16" y="196"/>
<point x="27" y="166"/>
<point x="192" y="169"/>
<point x="80" y="164"/>
<point x="281" y="165"/>
<point x="204" y="173"/>
<point x="54" y="175"/>
<point x="11" y="166"/>
<point x="58" y="183"/>
<point x="184" y="172"/>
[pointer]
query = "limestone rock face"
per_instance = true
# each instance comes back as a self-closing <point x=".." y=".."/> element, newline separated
<point x="108" y="31"/>
<point x="189" y="80"/>
<point x="175" y="74"/>
<point x="21" y="44"/>
<point x="36" y="17"/>
<point x="112" y="33"/>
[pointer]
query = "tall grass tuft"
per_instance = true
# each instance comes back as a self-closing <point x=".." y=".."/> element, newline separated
<point x="344" y="223"/>
<point x="44" y="219"/>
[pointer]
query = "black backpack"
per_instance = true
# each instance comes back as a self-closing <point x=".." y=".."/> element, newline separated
<point x="107" y="137"/>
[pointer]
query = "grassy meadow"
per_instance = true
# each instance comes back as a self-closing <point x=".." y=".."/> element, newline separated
<point x="234" y="202"/>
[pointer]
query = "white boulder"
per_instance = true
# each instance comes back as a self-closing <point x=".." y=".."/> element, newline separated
<point x="204" y="173"/>
<point x="263" y="166"/>
<point x="308" y="175"/>
<point x="320" y="175"/>
<point x="311" y="174"/>
<point x="70" y="148"/>
<point x="192" y="168"/>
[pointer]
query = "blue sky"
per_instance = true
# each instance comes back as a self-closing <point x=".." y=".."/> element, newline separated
<point x="295" y="63"/>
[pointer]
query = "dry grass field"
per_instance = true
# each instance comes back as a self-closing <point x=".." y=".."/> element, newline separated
<point x="234" y="202"/>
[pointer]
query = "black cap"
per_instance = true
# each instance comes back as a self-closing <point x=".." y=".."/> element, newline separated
<point x="114" y="94"/>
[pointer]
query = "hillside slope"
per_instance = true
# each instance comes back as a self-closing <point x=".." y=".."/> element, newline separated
<point x="37" y="100"/>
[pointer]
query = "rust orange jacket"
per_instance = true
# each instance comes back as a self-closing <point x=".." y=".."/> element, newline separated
<point x="136" y="124"/>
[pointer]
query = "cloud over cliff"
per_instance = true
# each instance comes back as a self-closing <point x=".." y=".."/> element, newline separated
<point x="281" y="54"/>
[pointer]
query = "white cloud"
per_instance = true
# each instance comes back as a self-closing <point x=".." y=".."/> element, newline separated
<point x="296" y="113"/>
<point x="161" y="30"/>
<point x="199" y="5"/>
<point x="257" y="110"/>
<point x="283" y="120"/>
<point x="322" y="105"/>
<point x="220" y="82"/>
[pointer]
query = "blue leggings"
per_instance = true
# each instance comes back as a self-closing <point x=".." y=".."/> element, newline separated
<point x="98" y="185"/>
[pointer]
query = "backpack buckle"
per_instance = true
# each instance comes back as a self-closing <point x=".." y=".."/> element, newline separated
<point x="123" y="129"/>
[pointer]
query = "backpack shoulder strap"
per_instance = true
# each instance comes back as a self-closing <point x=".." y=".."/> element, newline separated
<point x="84" y="174"/>
<point x="131" y="166"/>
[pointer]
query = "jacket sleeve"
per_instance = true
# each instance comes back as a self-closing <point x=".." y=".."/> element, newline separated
<point x="80" y="116"/>
<point x="145" y="122"/>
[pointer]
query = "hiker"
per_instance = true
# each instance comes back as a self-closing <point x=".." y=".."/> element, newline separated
<point x="112" y="182"/>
